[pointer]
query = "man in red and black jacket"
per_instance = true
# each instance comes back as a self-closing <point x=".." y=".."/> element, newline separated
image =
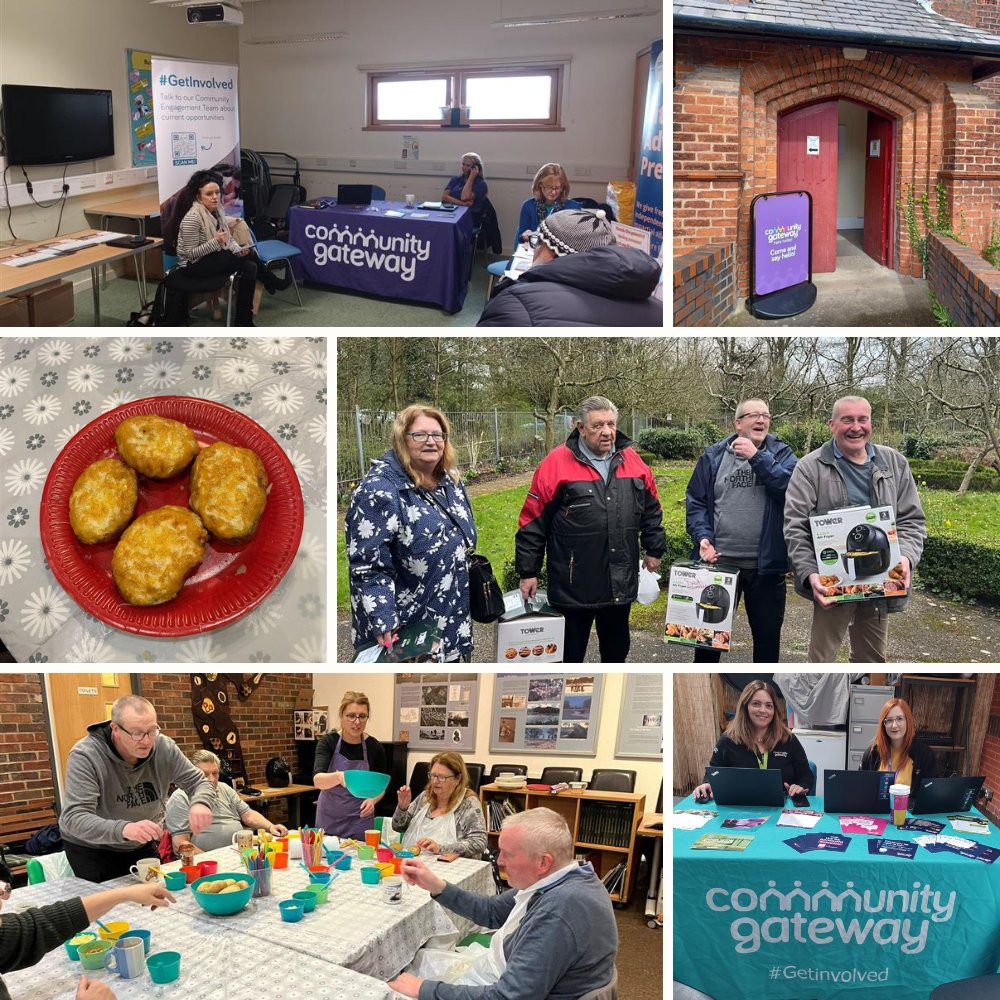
<point x="591" y="501"/>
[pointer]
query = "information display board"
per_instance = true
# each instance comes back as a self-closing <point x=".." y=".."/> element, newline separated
<point x="435" y="711"/>
<point x="546" y="713"/>
<point x="640" y="724"/>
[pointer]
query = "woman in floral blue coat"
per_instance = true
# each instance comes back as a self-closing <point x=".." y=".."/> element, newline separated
<point x="409" y="535"/>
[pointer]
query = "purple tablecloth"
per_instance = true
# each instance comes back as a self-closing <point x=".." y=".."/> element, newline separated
<point x="423" y="259"/>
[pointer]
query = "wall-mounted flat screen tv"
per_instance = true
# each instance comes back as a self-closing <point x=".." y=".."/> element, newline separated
<point x="56" y="124"/>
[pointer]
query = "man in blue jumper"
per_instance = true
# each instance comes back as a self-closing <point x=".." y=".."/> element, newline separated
<point x="735" y="513"/>
<point x="557" y="937"/>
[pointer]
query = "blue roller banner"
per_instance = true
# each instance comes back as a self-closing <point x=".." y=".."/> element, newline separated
<point x="649" y="176"/>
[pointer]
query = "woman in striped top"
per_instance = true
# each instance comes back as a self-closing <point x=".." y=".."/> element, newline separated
<point x="205" y="245"/>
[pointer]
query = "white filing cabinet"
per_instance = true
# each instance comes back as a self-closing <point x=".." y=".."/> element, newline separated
<point x="862" y="720"/>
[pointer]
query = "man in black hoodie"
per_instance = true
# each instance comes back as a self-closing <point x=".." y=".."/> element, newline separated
<point x="117" y="780"/>
<point x="579" y="277"/>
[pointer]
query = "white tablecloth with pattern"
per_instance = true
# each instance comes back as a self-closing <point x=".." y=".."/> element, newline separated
<point x="50" y="387"/>
<point x="217" y="963"/>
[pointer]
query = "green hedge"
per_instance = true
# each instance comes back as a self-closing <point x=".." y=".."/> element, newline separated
<point x="673" y="442"/>
<point x="948" y="475"/>
<point x="794" y="435"/>
<point x="965" y="569"/>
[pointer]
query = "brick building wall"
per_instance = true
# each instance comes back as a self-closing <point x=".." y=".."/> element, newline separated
<point x="989" y="765"/>
<point x="25" y="763"/>
<point x="730" y="92"/>
<point x="965" y="284"/>
<point x="704" y="286"/>
<point x="984" y="14"/>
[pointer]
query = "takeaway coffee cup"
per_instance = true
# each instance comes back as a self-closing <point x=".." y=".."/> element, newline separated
<point x="899" y="800"/>
<point x="393" y="886"/>
<point x="410" y="200"/>
<point x="127" y="958"/>
<point x="141" y="870"/>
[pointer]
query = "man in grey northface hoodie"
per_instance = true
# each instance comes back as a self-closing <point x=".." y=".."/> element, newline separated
<point x="117" y="780"/>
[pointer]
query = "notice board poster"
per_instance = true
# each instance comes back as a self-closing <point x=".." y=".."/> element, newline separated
<point x="546" y="713"/>
<point x="139" y="66"/>
<point x="781" y="241"/>
<point x="436" y="711"/>
<point x="640" y="724"/>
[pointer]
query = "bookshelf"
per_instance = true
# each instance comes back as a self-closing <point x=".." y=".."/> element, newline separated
<point x="603" y="825"/>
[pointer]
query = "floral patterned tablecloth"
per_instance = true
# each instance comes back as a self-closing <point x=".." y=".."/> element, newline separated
<point x="51" y="387"/>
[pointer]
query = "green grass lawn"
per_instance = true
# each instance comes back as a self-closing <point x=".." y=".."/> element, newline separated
<point x="972" y="517"/>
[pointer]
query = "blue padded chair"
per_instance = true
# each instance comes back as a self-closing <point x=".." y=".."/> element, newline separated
<point x="495" y="271"/>
<point x="812" y="787"/>
<point x="378" y="193"/>
<point x="589" y="203"/>
<point x="275" y="252"/>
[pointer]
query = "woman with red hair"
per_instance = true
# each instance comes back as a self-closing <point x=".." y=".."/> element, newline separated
<point x="896" y="749"/>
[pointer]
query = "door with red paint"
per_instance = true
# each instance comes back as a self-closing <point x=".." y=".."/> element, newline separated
<point x="807" y="161"/>
<point x="879" y="151"/>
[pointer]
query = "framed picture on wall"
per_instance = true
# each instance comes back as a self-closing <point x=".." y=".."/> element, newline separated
<point x="310" y="723"/>
<point x="640" y="722"/>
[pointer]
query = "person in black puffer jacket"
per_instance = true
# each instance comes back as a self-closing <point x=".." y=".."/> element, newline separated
<point x="580" y="277"/>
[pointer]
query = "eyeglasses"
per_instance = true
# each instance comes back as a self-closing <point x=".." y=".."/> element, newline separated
<point x="896" y="720"/>
<point x="150" y="734"/>
<point x="356" y="718"/>
<point x="552" y="188"/>
<point x="421" y="436"/>
<point x="534" y="241"/>
<point x="441" y="777"/>
<point x="754" y="416"/>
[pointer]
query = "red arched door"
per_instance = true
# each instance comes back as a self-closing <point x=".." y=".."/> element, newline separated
<point x="807" y="161"/>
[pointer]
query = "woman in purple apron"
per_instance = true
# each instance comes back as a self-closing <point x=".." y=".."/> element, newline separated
<point x="338" y="812"/>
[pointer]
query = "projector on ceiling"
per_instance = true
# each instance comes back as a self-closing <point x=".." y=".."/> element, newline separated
<point x="214" y="14"/>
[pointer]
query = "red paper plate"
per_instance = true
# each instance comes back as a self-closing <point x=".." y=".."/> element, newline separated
<point x="230" y="581"/>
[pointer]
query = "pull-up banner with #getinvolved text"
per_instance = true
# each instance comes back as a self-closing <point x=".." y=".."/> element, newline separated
<point x="196" y="117"/>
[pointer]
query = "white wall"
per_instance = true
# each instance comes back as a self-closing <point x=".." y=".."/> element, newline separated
<point x="330" y="688"/>
<point x="82" y="43"/>
<point x="851" y="166"/>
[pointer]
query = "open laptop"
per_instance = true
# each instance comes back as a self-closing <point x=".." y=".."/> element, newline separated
<point x="354" y="194"/>
<point x="746" y="786"/>
<point x="946" y="795"/>
<point x="856" y="791"/>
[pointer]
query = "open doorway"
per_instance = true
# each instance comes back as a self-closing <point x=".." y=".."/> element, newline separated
<point x="843" y="154"/>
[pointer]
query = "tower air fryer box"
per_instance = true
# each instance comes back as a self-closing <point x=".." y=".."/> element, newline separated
<point x="529" y="634"/>
<point x="700" y="603"/>
<point x="857" y="553"/>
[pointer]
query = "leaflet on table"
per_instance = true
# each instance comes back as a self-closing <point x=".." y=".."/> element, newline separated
<point x="58" y="248"/>
<point x="744" y="822"/>
<point x="892" y="848"/>
<point x="923" y="825"/>
<point x="721" y="842"/>
<point x="871" y="825"/>
<point x="692" y="819"/>
<point x="803" y="818"/>
<point x="958" y="845"/>
<point x="969" y="824"/>
<point x="819" y="842"/>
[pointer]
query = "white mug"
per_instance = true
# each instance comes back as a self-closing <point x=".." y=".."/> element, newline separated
<point x="140" y="870"/>
<point x="393" y="886"/>
<point x="243" y="839"/>
<point x="411" y="200"/>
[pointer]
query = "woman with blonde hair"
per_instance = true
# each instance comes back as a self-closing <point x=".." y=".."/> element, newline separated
<point x="446" y="817"/>
<point x="895" y="748"/>
<point x="758" y="737"/>
<point x="409" y="533"/>
<point x="549" y="193"/>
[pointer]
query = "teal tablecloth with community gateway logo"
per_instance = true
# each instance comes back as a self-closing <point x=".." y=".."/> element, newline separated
<point x="771" y="923"/>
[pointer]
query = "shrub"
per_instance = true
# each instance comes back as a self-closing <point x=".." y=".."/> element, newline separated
<point x="673" y="442"/>
<point x="795" y="434"/>
<point x="923" y="445"/>
<point x="966" y="569"/>
<point x="647" y="456"/>
<point x="948" y="475"/>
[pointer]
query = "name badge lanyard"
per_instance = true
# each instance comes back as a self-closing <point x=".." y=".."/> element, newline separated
<point x="761" y="760"/>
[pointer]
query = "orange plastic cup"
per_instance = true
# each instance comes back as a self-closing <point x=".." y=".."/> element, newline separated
<point x="282" y="843"/>
<point x="280" y="859"/>
<point x="397" y="865"/>
<point x="192" y="872"/>
<point x="319" y="868"/>
<point x="372" y="837"/>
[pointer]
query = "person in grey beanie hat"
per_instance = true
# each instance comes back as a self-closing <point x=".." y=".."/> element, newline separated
<point x="572" y="232"/>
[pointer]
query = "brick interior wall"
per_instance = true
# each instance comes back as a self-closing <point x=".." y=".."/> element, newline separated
<point x="729" y="94"/>
<point x="964" y="283"/>
<point x="704" y="286"/>
<point x="25" y="764"/>
<point x="990" y="763"/>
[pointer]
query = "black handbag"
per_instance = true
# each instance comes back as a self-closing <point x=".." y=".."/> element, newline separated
<point x="485" y="596"/>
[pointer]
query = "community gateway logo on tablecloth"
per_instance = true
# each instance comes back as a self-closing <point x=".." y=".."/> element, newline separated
<point x="374" y="251"/>
<point x="888" y="917"/>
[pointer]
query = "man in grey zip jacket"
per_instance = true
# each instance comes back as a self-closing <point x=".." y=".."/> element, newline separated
<point x="117" y="780"/>
<point x="849" y="471"/>
<point x="557" y="931"/>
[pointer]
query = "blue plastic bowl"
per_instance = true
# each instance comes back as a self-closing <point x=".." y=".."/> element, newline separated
<point x="291" y="910"/>
<point x="366" y="784"/>
<point x="230" y="902"/>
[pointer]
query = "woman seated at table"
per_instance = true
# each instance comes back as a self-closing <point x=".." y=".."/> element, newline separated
<point x="469" y="187"/>
<point x="446" y="817"/>
<point x="206" y="246"/>
<point x="229" y="813"/>
<point x="338" y="812"/>
<point x="409" y="532"/>
<point x="895" y="748"/>
<point x="758" y="737"/>
<point x="26" y="937"/>
<point x="549" y="193"/>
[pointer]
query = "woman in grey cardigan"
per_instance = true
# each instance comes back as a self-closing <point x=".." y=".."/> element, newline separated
<point x="445" y="818"/>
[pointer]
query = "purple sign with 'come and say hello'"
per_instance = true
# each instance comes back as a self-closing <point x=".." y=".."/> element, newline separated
<point x="781" y="241"/>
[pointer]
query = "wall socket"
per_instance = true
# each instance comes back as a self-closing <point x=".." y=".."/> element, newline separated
<point x="56" y="188"/>
<point x="109" y="179"/>
<point x="86" y="183"/>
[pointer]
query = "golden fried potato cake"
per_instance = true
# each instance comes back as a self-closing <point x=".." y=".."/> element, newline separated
<point x="229" y="490"/>
<point x="103" y="500"/>
<point x="157" y="447"/>
<point x="156" y="552"/>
